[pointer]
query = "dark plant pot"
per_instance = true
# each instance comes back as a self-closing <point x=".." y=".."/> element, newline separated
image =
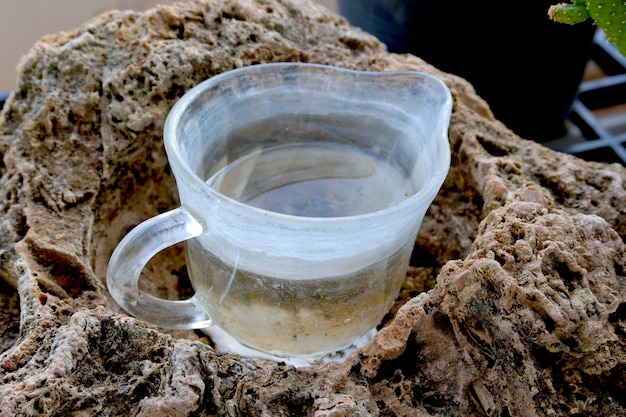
<point x="527" y="67"/>
<point x="4" y="96"/>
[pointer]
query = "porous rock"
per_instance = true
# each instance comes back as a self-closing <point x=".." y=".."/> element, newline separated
<point x="514" y="304"/>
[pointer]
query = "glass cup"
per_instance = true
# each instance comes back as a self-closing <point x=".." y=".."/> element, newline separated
<point x="302" y="190"/>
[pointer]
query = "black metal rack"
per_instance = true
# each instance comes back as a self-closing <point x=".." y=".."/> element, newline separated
<point x="597" y="120"/>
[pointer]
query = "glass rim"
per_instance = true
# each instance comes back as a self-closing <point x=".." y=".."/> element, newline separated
<point x="180" y="168"/>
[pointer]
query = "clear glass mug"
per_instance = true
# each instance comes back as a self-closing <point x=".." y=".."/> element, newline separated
<point x="302" y="190"/>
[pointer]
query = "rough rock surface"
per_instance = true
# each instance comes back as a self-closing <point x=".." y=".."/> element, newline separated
<point x="514" y="306"/>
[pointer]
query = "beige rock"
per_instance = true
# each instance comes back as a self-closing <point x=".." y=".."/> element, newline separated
<point x="514" y="305"/>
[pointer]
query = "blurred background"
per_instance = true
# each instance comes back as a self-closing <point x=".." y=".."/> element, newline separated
<point x="23" y="22"/>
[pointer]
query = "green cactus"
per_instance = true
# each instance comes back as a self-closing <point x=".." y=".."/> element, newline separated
<point x="610" y="15"/>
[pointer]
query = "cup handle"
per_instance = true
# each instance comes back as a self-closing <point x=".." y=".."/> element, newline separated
<point x="131" y="256"/>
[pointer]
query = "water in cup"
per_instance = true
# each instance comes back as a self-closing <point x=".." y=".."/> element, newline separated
<point x="299" y="314"/>
<point x="297" y="317"/>
<point x="313" y="179"/>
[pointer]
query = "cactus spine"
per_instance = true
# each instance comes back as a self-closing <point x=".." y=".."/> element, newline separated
<point x="610" y="15"/>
